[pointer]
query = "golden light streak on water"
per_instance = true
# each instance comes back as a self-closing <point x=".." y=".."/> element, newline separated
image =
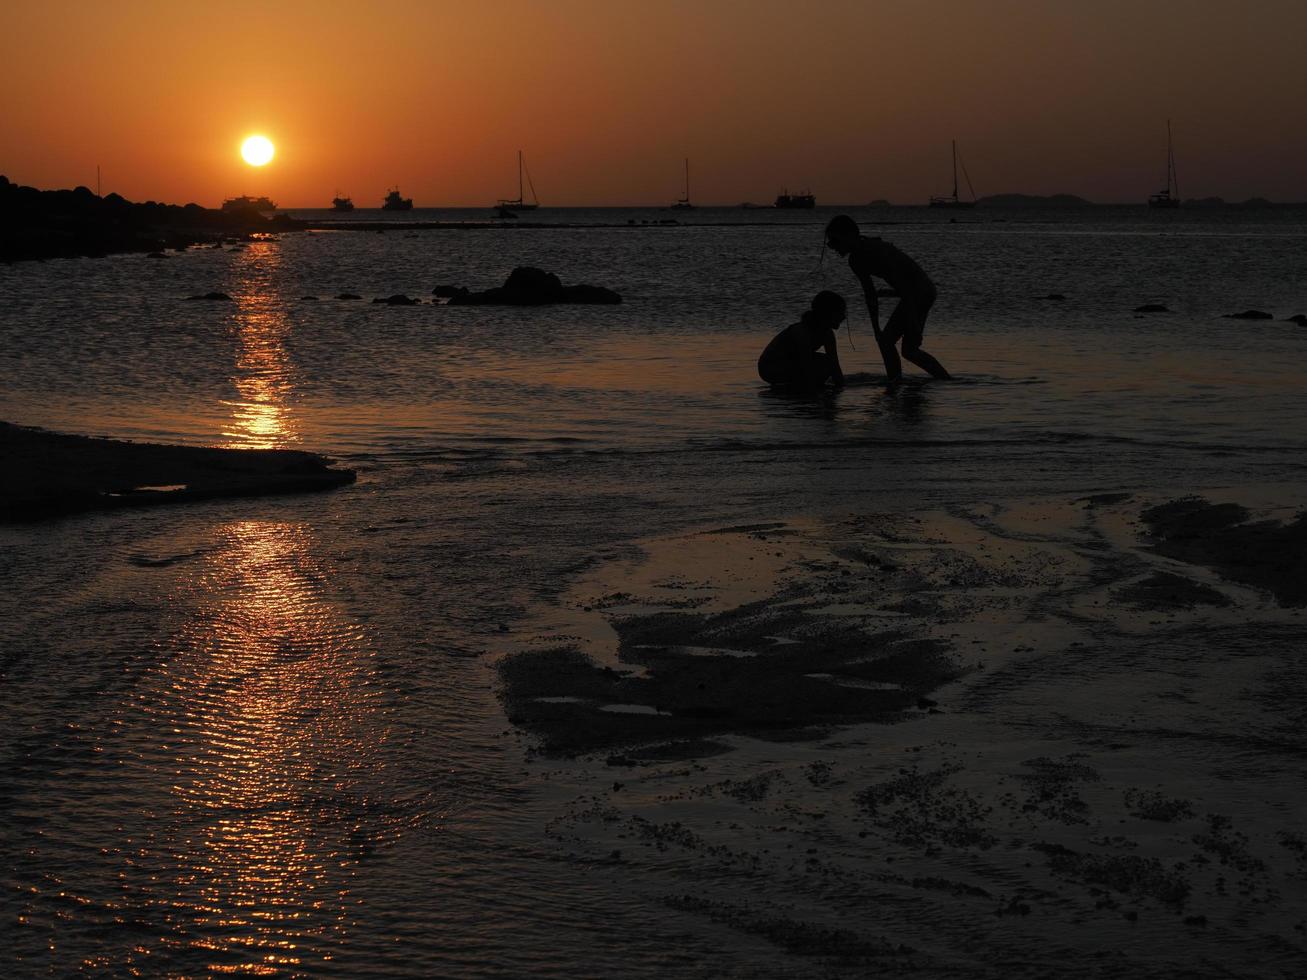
<point x="270" y="704"/>
<point x="264" y="375"/>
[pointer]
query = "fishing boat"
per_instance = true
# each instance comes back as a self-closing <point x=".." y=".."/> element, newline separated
<point x="519" y="203"/>
<point x="394" y="202"/>
<point x="339" y="203"/>
<point x="245" y="203"/>
<point x="953" y="201"/>
<point x="1170" y="196"/>
<point x="683" y="202"/>
<point x="787" y="200"/>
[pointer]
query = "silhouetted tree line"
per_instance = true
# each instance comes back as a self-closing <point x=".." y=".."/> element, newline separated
<point x="36" y="224"/>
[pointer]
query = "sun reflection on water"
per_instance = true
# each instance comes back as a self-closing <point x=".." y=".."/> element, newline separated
<point x="277" y="725"/>
<point x="264" y="375"/>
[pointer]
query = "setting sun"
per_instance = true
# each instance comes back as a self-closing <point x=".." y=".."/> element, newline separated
<point x="257" y="150"/>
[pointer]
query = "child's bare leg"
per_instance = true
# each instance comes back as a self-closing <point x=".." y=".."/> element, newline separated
<point x="927" y="363"/>
<point x="890" y="353"/>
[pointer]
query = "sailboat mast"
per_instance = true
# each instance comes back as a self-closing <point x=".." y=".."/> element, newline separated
<point x="687" y="179"/>
<point x="519" y="176"/>
<point x="955" y="170"/>
<point x="1172" y="179"/>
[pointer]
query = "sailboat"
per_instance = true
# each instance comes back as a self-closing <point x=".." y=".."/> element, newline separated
<point x="683" y="203"/>
<point x="953" y="201"/>
<point x="1170" y="197"/>
<point x="519" y="203"/>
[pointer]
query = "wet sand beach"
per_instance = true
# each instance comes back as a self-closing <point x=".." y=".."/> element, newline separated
<point x="614" y="662"/>
<point x="1067" y="732"/>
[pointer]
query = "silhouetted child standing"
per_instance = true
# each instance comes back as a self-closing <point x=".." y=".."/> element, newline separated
<point x="870" y="257"/>
<point x="792" y="357"/>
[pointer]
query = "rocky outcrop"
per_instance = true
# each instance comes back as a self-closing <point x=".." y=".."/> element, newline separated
<point x="1298" y="318"/>
<point x="1249" y="315"/>
<point x="49" y="474"/>
<point x="36" y="224"/>
<point x="528" y="286"/>
<point x="399" y="299"/>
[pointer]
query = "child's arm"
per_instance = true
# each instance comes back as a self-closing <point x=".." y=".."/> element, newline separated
<point x="836" y="373"/>
<point x="873" y="304"/>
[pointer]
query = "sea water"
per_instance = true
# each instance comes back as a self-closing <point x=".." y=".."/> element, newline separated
<point x="262" y="736"/>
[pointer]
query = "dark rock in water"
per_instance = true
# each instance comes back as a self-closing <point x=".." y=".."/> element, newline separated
<point x="1055" y="297"/>
<point x="64" y="474"/>
<point x="592" y="295"/>
<point x="1298" y="318"/>
<point x="155" y="255"/>
<point x="213" y="297"/>
<point x="1152" y="308"/>
<point x="399" y="299"/>
<point x="448" y="292"/>
<point x="348" y="296"/>
<point x="309" y="299"/>
<point x="527" y="286"/>
<point x="236" y="248"/>
<point x="1249" y="315"/>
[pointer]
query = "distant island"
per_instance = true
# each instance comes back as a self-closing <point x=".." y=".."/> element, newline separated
<point x="36" y="224"/>
<point x="1034" y="201"/>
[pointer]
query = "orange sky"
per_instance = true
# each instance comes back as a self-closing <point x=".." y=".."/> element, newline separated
<point x="856" y="99"/>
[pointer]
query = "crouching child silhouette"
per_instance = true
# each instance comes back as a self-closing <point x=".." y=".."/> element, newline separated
<point x="804" y="356"/>
<point x="870" y="257"/>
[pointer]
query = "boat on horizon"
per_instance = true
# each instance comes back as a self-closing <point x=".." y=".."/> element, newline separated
<point x="683" y="202"/>
<point x="519" y="203"/>
<point x="247" y="203"/>
<point x="802" y="200"/>
<point x="339" y="203"/>
<point x="953" y="201"/>
<point x="394" y="202"/>
<point x="1169" y="197"/>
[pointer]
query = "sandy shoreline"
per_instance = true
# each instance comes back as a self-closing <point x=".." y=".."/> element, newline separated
<point x="51" y="473"/>
<point x="1057" y="738"/>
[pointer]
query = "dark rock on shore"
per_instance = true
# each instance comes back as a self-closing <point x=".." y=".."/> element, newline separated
<point x="156" y="255"/>
<point x="50" y="474"/>
<point x="528" y="286"/>
<point x="212" y="297"/>
<point x="308" y="299"/>
<point x="36" y="224"/>
<point x="399" y="299"/>
<point x="1249" y="315"/>
<point x="448" y="292"/>
<point x="348" y="296"/>
<point x="1151" y="308"/>
<point x="1298" y="318"/>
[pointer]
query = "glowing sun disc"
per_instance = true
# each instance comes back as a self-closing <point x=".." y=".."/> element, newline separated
<point x="257" y="150"/>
